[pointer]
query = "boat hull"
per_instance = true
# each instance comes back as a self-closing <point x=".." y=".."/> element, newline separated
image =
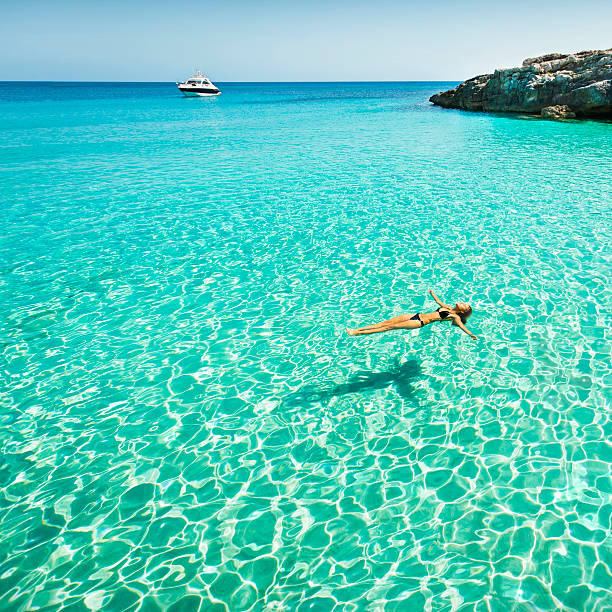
<point x="198" y="92"/>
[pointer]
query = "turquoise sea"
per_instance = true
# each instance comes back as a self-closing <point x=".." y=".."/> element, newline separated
<point x="184" y="424"/>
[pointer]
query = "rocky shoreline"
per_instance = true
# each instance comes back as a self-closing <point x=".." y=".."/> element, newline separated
<point x="554" y="86"/>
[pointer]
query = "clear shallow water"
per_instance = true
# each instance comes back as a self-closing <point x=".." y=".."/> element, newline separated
<point x="184" y="424"/>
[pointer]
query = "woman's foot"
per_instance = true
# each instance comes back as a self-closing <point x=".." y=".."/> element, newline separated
<point x="351" y="332"/>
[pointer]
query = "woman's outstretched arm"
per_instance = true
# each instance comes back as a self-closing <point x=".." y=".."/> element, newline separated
<point x="463" y="328"/>
<point x="438" y="300"/>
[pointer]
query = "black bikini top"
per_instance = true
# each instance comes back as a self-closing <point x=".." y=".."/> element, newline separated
<point x="444" y="314"/>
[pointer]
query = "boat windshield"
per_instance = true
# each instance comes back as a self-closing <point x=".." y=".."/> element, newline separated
<point x="199" y="82"/>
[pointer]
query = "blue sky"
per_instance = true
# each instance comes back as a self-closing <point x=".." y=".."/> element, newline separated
<point x="245" y="40"/>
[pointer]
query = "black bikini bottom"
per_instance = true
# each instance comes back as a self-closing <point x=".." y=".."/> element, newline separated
<point x="417" y="317"/>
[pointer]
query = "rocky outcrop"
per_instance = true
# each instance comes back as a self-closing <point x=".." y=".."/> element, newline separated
<point x="580" y="83"/>
<point x="560" y="111"/>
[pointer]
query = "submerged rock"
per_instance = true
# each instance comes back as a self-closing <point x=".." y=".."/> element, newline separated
<point x="578" y="84"/>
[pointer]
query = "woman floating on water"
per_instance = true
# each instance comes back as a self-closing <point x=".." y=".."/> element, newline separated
<point x="457" y="314"/>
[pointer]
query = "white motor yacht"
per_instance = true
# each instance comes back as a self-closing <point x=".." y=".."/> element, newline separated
<point x="198" y="85"/>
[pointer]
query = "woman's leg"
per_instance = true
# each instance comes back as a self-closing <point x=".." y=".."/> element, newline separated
<point x="401" y="322"/>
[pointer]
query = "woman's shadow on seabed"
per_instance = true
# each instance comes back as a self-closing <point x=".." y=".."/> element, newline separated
<point x="399" y="376"/>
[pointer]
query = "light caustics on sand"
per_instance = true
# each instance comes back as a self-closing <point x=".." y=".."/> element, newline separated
<point x="185" y="423"/>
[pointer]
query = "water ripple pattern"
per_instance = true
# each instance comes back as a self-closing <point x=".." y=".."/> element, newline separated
<point x="183" y="423"/>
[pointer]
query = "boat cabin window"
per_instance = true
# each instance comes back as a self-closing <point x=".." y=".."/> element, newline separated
<point x="198" y="82"/>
